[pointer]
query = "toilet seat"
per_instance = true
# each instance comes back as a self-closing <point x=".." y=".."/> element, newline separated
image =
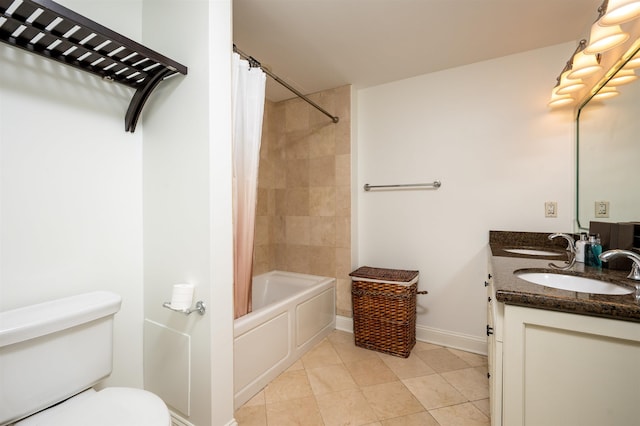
<point x="108" y="407"/>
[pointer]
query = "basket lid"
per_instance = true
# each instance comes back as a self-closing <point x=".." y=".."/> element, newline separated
<point x="384" y="274"/>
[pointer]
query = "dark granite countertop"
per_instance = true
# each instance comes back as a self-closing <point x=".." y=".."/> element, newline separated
<point x="515" y="291"/>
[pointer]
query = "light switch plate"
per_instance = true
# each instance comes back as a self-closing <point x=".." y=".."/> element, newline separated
<point x="550" y="209"/>
<point x="602" y="208"/>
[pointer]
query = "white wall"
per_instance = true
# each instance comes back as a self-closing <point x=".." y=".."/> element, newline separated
<point x="484" y="130"/>
<point x="70" y="188"/>
<point x="187" y="199"/>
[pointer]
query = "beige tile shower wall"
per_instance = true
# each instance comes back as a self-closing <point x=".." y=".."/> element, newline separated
<point x="304" y="185"/>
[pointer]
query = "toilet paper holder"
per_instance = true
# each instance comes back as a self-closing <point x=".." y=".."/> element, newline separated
<point x="200" y="308"/>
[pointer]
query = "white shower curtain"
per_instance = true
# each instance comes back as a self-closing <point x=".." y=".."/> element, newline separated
<point x="248" y="108"/>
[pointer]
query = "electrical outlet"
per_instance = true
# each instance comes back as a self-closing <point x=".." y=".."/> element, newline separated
<point x="602" y="209"/>
<point x="550" y="209"/>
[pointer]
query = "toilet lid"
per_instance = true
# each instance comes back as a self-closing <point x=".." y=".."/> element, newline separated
<point x="108" y="407"/>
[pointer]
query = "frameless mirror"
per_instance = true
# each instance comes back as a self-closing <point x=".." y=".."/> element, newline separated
<point x="608" y="158"/>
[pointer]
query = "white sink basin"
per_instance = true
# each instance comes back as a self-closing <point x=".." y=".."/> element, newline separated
<point x="572" y="283"/>
<point x="532" y="252"/>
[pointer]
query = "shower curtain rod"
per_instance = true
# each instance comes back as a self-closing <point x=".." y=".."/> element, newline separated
<point x="255" y="63"/>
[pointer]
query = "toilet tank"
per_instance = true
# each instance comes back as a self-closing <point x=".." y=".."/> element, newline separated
<point x="53" y="350"/>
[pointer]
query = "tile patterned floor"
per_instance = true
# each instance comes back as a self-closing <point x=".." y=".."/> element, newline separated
<point x="337" y="383"/>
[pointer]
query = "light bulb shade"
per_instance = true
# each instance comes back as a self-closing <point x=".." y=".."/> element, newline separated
<point x="605" y="92"/>
<point x="569" y="85"/>
<point x="584" y="65"/>
<point x="619" y="11"/>
<point x="605" y="38"/>
<point x="559" y="101"/>
<point x="623" y="76"/>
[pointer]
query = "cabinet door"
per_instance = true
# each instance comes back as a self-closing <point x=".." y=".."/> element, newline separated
<point x="494" y="352"/>
<point x="566" y="369"/>
<point x="495" y="382"/>
<point x="491" y="360"/>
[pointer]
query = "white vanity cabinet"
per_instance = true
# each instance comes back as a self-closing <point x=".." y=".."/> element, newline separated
<point x="553" y="368"/>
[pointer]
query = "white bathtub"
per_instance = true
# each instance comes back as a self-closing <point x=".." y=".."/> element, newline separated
<point x="291" y="313"/>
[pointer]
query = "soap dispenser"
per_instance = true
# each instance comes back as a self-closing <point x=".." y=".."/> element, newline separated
<point x="580" y="247"/>
<point x="592" y="251"/>
<point x="596" y="249"/>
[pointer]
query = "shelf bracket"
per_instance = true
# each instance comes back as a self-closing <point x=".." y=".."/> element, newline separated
<point x="140" y="98"/>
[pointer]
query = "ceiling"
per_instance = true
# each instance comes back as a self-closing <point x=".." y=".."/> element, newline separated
<point x="316" y="45"/>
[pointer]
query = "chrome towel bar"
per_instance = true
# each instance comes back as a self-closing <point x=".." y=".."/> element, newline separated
<point x="435" y="184"/>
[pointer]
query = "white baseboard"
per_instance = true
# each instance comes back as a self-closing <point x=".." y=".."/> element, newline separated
<point x="426" y="334"/>
<point x="451" y="339"/>
<point x="177" y="420"/>
<point x="344" y="323"/>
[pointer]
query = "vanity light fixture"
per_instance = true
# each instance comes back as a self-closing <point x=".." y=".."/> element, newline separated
<point x="604" y="38"/>
<point x="619" y="11"/>
<point x="584" y="74"/>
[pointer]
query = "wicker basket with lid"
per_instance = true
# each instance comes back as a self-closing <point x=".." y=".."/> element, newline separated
<point x="384" y="309"/>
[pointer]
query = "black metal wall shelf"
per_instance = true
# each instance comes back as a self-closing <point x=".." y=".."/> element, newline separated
<point x="49" y="29"/>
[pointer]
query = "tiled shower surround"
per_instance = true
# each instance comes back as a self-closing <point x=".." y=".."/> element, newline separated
<point x="303" y="218"/>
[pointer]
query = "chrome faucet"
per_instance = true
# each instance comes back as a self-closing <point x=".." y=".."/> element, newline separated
<point x="635" y="268"/>
<point x="571" y="251"/>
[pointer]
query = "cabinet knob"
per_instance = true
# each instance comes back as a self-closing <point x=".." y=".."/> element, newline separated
<point x="489" y="299"/>
<point x="486" y="284"/>
<point x="489" y="330"/>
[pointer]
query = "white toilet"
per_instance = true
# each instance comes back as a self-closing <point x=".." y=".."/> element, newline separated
<point x="52" y="353"/>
